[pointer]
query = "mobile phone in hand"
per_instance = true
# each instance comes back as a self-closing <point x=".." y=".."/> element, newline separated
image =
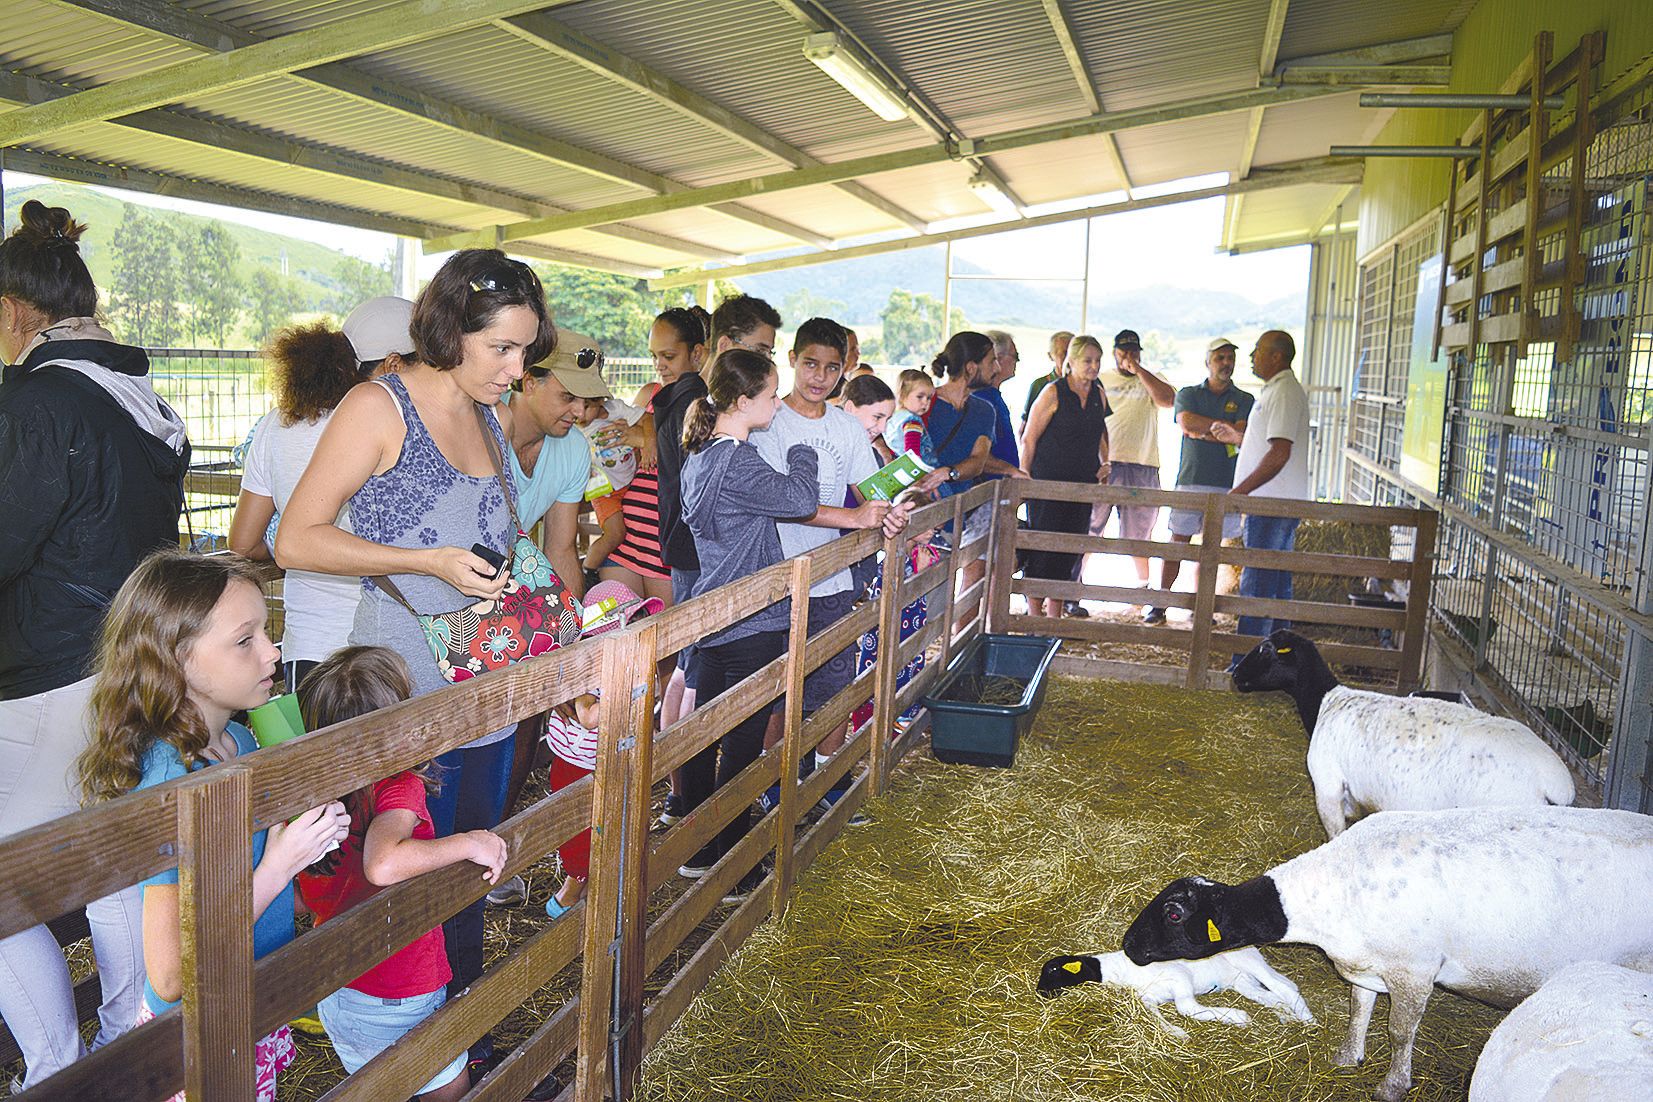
<point x="490" y="556"/>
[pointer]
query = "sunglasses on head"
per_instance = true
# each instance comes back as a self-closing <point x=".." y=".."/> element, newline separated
<point x="585" y="359"/>
<point x="508" y="276"/>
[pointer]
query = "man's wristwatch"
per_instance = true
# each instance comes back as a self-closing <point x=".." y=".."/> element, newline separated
<point x="952" y="474"/>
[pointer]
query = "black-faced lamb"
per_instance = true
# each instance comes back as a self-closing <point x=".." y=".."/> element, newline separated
<point x="1487" y="902"/>
<point x="1374" y="752"/>
<point x="1244" y="971"/>
<point x="1586" y="1034"/>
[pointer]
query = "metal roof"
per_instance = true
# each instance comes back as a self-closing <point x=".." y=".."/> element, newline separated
<point x="475" y="120"/>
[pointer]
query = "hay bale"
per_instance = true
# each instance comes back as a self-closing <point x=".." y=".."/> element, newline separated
<point x="1337" y="537"/>
<point x="906" y="965"/>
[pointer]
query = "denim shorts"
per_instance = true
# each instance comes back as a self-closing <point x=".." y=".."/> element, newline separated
<point x="1188" y="522"/>
<point x="362" y="1026"/>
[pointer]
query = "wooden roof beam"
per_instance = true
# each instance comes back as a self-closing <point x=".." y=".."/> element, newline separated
<point x="1320" y="171"/>
<point x="566" y="42"/>
<point x="205" y="33"/>
<point x="19" y="89"/>
<point x="892" y="162"/>
<point x="80" y="171"/>
<point x="386" y="28"/>
<point x="1087" y="87"/>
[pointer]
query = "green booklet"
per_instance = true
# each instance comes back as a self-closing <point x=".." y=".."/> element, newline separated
<point x="894" y="477"/>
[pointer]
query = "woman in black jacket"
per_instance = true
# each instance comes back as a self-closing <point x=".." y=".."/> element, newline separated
<point x="92" y="467"/>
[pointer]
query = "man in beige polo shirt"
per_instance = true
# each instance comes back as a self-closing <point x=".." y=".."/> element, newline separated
<point x="1136" y="395"/>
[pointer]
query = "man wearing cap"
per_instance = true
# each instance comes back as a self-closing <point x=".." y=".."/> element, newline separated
<point x="1273" y="462"/>
<point x="550" y="458"/>
<point x="378" y="331"/>
<point x="1135" y="395"/>
<point x="1212" y="416"/>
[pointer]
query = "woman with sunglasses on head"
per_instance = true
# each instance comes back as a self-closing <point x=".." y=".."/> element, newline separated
<point x="407" y="453"/>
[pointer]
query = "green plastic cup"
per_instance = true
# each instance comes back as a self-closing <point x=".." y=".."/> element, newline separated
<point x="277" y="720"/>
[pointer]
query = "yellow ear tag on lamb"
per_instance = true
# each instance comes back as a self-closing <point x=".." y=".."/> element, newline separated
<point x="1282" y="650"/>
<point x="1072" y="966"/>
<point x="1211" y="931"/>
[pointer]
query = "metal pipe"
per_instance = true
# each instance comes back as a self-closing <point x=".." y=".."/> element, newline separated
<point x="1464" y="152"/>
<point x="1456" y="99"/>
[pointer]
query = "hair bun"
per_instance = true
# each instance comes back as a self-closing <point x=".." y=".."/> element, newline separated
<point x="938" y="366"/>
<point x="49" y="226"/>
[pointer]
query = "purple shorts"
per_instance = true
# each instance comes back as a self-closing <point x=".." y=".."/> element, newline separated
<point x="1136" y="522"/>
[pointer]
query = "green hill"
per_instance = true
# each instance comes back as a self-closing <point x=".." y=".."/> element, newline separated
<point x="313" y="266"/>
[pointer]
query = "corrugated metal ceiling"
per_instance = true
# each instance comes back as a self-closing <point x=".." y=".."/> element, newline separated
<point x="987" y="66"/>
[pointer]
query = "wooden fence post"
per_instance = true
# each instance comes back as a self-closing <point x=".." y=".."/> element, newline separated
<point x="1205" y="594"/>
<point x="215" y="916"/>
<point x="1001" y="554"/>
<point x="889" y="643"/>
<point x="615" y="887"/>
<point x="791" y="752"/>
<point x="1417" y="603"/>
<point x="952" y="586"/>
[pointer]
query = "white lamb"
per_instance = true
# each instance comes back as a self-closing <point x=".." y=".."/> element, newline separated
<point x="1244" y="971"/>
<point x="1373" y="752"/>
<point x="1487" y="902"/>
<point x="1587" y="1034"/>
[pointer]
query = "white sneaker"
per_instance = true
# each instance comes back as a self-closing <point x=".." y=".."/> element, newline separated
<point x="509" y="894"/>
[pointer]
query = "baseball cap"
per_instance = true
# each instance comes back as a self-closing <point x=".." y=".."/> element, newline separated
<point x="578" y="365"/>
<point x="1219" y="343"/>
<point x="1128" y="340"/>
<point x="379" y="327"/>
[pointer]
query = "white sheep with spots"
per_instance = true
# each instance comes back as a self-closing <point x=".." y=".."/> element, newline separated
<point x="1587" y="1034"/>
<point x="1372" y="752"/>
<point x="1244" y="971"/>
<point x="1487" y="902"/>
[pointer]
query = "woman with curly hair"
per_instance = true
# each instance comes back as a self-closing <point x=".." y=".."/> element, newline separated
<point x="312" y="368"/>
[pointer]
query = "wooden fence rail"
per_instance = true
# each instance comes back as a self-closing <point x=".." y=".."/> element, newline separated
<point x="1203" y="640"/>
<point x="200" y="823"/>
<point x="622" y="1005"/>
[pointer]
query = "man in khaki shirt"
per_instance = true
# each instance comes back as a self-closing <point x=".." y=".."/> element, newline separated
<point x="1136" y="395"/>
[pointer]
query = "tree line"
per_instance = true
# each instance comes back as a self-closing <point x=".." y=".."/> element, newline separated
<point x="173" y="285"/>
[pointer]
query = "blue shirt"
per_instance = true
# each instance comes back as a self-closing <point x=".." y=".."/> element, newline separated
<point x="978" y="420"/>
<point x="1004" y="436"/>
<point x="560" y="474"/>
<point x="273" y="928"/>
<point x="1208" y="462"/>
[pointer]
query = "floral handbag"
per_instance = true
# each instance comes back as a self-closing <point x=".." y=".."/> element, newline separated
<point x="536" y="612"/>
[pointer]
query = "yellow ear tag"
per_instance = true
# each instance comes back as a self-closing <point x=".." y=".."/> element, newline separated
<point x="1282" y="650"/>
<point x="1211" y="931"/>
<point x="1072" y="966"/>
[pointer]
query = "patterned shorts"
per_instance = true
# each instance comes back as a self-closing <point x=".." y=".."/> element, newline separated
<point x="271" y="1056"/>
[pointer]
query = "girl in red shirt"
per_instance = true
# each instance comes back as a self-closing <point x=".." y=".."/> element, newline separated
<point x="391" y="840"/>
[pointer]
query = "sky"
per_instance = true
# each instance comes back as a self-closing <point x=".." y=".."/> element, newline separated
<point x="1172" y="245"/>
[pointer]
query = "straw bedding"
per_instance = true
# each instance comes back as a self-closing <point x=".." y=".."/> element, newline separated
<point x="905" y="967"/>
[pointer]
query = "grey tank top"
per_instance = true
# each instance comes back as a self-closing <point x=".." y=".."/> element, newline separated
<point x="424" y="502"/>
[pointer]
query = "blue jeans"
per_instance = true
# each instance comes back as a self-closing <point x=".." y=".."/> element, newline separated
<point x="1267" y="534"/>
<point x="474" y="781"/>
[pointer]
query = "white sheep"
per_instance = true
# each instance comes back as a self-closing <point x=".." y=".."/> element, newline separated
<point x="1586" y="1034"/>
<point x="1487" y="902"/>
<point x="1244" y="971"/>
<point x="1373" y="752"/>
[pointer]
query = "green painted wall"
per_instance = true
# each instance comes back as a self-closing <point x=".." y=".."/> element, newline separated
<point x="1492" y="41"/>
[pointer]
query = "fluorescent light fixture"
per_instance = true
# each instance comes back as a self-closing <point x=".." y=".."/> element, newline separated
<point x="988" y="192"/>
<point x="828" y="51"/>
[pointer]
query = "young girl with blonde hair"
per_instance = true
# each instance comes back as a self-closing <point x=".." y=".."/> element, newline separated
<point x="182" y="649"/>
